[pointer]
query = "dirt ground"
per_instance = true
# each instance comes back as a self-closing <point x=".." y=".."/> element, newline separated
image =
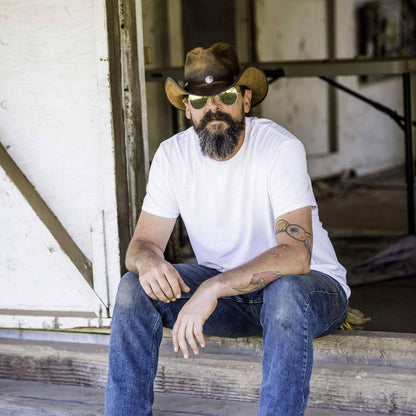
<point x="364" y="216"/>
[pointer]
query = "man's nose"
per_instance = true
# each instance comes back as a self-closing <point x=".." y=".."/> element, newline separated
<point x="213" y="103"/>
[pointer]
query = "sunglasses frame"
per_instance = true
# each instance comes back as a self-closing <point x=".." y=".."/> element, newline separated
<point x="217" y="96"/>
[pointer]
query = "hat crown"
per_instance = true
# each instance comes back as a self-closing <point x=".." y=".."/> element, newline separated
<point x="216" y="64"/>
<point x="210" y="71"/>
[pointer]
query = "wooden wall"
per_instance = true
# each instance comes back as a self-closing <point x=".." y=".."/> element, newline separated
<point x="56" y="125"/>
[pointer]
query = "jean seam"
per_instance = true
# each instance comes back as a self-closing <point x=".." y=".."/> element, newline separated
<point x="154" y="356"/>
<point x="249" y="301"/>
<point x="305" y="351"/>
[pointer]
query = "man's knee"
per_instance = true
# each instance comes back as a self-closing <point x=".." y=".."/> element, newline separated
<point x="287" y="288"/>
<point x="129" y="291"/>
<point x="284" y="301"/>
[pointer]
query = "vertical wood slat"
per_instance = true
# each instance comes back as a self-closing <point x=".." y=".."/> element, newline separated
<point x="129" y="114"/>
<point x="67" y="244"/>
<point x="244" y="38"/>
<point x="116" y="82"/>
<point x="134" y="107"/>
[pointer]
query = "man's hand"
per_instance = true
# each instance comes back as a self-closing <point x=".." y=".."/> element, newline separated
<point x="191" y="319"/>
<point x="160" y="280"/>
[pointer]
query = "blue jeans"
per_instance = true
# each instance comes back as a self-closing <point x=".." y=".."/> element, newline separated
<point x="289" y="313"/>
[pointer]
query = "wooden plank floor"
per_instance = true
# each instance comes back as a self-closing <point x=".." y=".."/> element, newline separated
<point x="26" y="398"/>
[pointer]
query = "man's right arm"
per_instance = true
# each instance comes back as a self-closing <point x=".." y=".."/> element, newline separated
<point x="158" y="278"/>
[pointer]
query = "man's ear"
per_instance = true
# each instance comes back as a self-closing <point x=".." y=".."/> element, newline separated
<point x="247" y="100"/>
<point x="187" y="110"/>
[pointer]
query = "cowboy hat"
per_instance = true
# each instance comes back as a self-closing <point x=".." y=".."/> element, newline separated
<point x="210" y="71"/>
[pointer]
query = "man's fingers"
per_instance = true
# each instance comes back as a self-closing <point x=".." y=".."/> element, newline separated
<point x="166" y="288"/>
<point x="199" y="336"/>
<point x="158" y="287"/>
<point x="148" y="290"/>
<point x="190" y="337"/>
<point x="175" y="286"/>
<point x="184" y="335"/>
<point x="158" y="292"/>
<point x="175" y="338"/>
<point x="176" y="282"/>
<point x="163" y="283"/>
<point x="182" y="342"/>
<point x="184" y="287"/>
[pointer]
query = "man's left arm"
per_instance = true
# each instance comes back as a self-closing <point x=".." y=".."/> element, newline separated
<point x="291" y="255"/>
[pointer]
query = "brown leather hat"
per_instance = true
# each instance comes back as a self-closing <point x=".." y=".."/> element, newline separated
<point x="213" y="70"/>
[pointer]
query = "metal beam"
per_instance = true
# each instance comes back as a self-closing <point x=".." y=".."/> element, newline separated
<point x="340" y="67"/>
<point x="408" y="136"/>
<point x="332" y="109"/>
<point x="312" y="68"/>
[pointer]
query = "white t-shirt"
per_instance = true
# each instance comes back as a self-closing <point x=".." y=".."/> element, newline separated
<point x="229" y="207"/>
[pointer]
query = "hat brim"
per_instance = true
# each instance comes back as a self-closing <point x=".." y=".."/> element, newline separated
<point x="251" y="77"/>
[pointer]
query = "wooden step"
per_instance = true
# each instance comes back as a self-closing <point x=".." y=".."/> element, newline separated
<point x="28" y="398"/>
<point x="364" y="347"/>
<point x="346" y="374"/>
<point x="340" y="385"/>
<point x="359" y="347"/>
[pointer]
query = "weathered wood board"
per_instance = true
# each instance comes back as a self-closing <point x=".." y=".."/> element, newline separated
<point x="55" y="122"/>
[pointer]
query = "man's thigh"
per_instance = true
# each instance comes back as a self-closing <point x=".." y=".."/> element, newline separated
<point x="234" y="316"/>
<point x="194" y="275"/>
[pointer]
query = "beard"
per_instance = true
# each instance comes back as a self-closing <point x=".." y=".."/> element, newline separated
<point x="219" y="142"/>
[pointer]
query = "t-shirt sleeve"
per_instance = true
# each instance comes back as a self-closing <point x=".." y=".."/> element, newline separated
<point x="290" y="185"/>
<point x="160" y="198"/>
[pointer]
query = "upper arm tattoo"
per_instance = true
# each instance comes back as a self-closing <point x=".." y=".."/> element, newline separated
<point x="296" y="232"/>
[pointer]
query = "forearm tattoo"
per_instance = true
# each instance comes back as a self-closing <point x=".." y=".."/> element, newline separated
<point x="258" y="281"/>
<point x="297" y="232"/>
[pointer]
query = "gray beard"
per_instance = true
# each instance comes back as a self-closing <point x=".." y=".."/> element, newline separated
<point x="219" y="143"/>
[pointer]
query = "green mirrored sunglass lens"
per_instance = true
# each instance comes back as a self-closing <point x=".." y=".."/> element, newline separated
<point x="228" y="98"/>
<point x="198" y="102"/>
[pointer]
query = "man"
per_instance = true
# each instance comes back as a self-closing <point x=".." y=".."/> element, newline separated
<point x="265" y="264"/>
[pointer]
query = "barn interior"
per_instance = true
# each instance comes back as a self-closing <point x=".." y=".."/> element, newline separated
<point x="361" y="187"/>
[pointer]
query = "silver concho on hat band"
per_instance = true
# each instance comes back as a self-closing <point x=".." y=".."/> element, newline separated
<point x="209" y="79"/>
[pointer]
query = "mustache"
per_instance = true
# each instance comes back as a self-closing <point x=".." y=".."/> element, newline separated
<point x="210" y="116"/>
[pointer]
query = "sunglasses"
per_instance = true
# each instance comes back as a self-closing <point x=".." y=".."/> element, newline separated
<point x="227" y="97"/>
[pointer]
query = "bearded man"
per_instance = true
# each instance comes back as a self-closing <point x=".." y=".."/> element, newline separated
<point x="265" y="265"/>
